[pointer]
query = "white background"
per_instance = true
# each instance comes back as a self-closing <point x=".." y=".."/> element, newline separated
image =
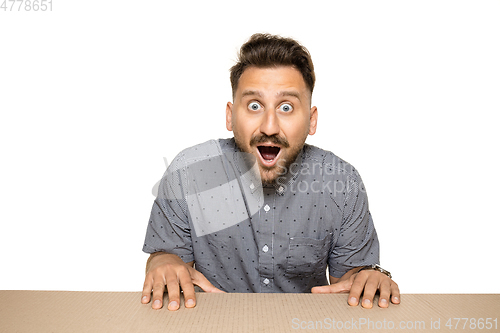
<point x="94" y="94"/>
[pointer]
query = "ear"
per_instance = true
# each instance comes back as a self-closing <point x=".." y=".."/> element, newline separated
<point x="229" y="116"/>
<point x="313" y="120"/>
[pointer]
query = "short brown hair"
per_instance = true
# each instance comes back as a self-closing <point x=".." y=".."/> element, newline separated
<point x="265" y="50"/>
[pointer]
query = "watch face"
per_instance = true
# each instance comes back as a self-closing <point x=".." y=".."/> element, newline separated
<point x="381" y="270"/>
<point x="377" y="268"/>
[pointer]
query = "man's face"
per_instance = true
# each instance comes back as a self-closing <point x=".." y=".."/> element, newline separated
<point x="271" y="117"/>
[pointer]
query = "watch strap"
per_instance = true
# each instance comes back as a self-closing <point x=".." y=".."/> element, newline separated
<point x="377" y="267"/>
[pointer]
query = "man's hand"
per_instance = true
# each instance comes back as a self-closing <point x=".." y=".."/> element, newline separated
<point x="368" y="280"/>
<point x="168" y="269"/>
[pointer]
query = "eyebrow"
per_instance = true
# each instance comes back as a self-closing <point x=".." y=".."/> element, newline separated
<point x="281" y="93"/>
<point x="251" y="93"/>
<point x="289" y="93"/>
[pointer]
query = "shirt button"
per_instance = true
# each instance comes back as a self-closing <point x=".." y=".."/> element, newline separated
<point x="265" y="248"/>
<point x="252" y="186"/>
<point x="266" y="281"/>
<point x="266" y="208"/>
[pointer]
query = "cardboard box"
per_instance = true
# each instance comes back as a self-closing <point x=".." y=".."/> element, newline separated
<point x="62" y="311"/>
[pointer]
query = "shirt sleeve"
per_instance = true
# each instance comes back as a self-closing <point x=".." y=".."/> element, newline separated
<point x="168" y="226"/>
<point x="357" y="243"/>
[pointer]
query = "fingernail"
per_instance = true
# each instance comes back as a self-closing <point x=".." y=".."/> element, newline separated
<point x="156" y="304"/>
<point x="396" y="299"/>
<point x="366" y="302"/>
<point x="173" y="305"/>
<point x="189" y="303"/>
<point x="352" y="300"/>
<point x="383" y="302"/>
<point x="144" y="298"/>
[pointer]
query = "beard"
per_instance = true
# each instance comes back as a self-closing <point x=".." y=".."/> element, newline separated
<point x="289" y="154"/>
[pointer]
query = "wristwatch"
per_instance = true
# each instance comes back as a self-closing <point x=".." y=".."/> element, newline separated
<point x="377" y="268"/>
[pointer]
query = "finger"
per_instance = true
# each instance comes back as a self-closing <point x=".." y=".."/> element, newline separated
<point x="158" y="290"/>
<point x="173" y="290"/>
<point x="146" y="290"/>
<point x="339" y="287"/>
<point x="396" y="297"/>
<point x="358" y="284"/>
<point x="385" y="293"/>
<point x="322" y="290"/>
<point x="371" y="287"/>
<point x="187" y="288"/>
<point x="201" y="281"/>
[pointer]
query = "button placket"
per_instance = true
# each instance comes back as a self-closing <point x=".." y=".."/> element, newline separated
<point x="265" y="241"/>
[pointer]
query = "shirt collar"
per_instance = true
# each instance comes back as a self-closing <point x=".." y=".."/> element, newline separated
<point x="284" y="182"/>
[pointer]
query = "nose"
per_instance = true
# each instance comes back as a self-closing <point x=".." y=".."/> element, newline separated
<point x="270" y="123"/>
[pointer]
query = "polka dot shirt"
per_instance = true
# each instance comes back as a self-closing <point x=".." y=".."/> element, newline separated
<point x="244" y="236"/>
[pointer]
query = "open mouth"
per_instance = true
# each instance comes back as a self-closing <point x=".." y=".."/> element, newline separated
<point x="269" y="154"/>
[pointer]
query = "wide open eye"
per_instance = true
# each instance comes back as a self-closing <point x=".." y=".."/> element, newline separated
<point x="286" y="107"/>
<point x="254" y="106"/>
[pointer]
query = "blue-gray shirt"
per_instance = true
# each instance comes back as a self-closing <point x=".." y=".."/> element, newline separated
<point x="213" y="209"/>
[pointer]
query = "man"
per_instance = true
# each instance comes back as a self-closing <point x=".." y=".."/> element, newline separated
<point x="263" y="211"/>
